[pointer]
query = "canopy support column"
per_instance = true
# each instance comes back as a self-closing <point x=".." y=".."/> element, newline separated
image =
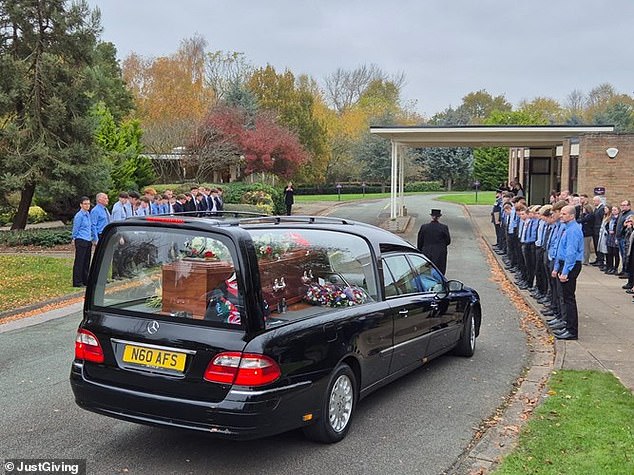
<point x="401" y="183"/>
<point x="393" y="180"/>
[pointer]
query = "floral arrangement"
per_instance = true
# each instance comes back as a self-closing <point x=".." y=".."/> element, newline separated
<point x="205" y="248"/>
<point x="272" y="247"/>
<point x="332" y="295"/>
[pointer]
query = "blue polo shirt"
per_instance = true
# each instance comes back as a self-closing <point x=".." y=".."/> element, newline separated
<point x="570" y="247"/>
<point x="82" y="226"/>
<point x="100" y="217"/>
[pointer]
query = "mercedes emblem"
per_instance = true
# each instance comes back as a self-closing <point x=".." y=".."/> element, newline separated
<point x="152" y="327"/>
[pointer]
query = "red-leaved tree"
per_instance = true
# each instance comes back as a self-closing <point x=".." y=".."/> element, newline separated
<point x="266" y="146"/>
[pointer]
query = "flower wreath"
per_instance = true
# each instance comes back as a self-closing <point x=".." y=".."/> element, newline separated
<point x="332" y="295"/>
<point x="205" y="248"/>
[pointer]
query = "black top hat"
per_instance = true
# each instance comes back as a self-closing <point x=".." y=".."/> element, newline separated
<point x="435" y="212"/>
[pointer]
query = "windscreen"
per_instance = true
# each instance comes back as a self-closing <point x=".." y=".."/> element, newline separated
<point x="169" y="272"/>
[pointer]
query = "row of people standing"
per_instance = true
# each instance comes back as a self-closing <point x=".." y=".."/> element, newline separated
<point x="89" y="224"/>
<point x="543" y="246"/>
<point x="199" y="200"/>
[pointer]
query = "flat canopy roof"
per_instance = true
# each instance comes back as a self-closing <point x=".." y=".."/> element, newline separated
<point x="486" y="135"/>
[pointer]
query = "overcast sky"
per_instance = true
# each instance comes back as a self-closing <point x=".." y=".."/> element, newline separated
<point x="446" y="48"/>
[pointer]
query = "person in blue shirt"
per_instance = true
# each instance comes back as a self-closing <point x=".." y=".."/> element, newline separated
<point x="554" y="308"/>
<point x="119" y="210"/>
<point x="82" y="240"/>
<point x="567" y="268"/>
<point x="100" y="216"/>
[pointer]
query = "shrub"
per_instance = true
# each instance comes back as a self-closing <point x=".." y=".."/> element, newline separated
<point x="37" y="215"/>
<point x="233" y="192"/>
<point x="36" y="237"/>
<point x="422" y="186"/>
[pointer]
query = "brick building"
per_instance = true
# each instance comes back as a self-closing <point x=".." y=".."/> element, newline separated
<point x="580" y="164"/>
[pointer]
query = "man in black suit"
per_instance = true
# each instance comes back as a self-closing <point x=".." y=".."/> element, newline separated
<point x="599" y="211"/>
<point x="433" y="239"/>
<point x="179" y="206"/>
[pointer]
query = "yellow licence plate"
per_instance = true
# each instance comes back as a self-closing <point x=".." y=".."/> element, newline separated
<point x="153" y="358"/>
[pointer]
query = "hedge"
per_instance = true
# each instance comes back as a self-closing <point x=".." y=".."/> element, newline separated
<point x="356" y="188"/>
<point x="37" y="237"/>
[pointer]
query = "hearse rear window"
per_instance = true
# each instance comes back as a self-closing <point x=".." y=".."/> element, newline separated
<point x="172" y="273"/>
<point x="308" y="272"/>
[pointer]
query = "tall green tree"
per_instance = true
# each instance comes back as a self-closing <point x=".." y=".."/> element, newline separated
<point x="48" y="59"/>
<point x="448" y="164"/>
<point x="121" y="145"/>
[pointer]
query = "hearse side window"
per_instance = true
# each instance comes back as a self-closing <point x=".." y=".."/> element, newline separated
<point x="429" y="279"/>
<point x="306" y="272"/>
<point x="171" y="273"/>
<point x="404" y="276"/>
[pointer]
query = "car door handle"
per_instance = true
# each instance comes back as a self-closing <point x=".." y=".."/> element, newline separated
<point x="403" y="312"/>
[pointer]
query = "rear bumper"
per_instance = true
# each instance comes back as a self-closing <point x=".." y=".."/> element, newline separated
<point x="244" y="413"/>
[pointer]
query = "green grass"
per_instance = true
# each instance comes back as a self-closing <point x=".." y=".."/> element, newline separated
<point x="29" y="279"/>
<point x="469" y="198"/>
<point x="352" y="196"/>
<point x="585" y="426"/>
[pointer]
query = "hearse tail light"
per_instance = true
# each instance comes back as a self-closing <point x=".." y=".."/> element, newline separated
<point x="242" y="369"/>
<point x="87" y="347"/>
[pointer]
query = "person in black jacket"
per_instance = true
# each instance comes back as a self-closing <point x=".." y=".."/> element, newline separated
<point x="599" y="214"/>
<point x="289" y="197"/>
<point x="433" y="239"/>
<point x="586" y="219"/>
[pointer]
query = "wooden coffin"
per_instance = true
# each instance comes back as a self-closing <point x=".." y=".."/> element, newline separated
<point x="186" y="284"/>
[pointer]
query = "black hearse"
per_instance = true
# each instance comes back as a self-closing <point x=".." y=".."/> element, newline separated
<point x="246" y="328"/>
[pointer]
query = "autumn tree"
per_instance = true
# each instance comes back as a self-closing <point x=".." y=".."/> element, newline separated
<point x="544" y="107"/>
<point x="480" y="104"/>
<point x="227" y="136"/>
<point x="344" y="88"/>
<point x="51" y="75"/>
<point x="217" y="142"/>
<point x="171" y="94"/>
<point x="293" y="104"/>
<point x="225" y="71"/>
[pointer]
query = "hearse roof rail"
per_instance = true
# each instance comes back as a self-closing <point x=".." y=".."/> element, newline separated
<point x="295" y="219"/>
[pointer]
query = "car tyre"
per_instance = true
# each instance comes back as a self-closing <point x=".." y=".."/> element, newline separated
<point x="338" y="406"/>
<point x="467" y="343"/>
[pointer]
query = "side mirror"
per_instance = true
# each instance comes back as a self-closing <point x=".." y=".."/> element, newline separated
<point x="455" y="286"/>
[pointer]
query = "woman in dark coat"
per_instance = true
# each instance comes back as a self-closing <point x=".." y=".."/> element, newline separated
<point x="433" y="239"/>
<point x="289" y="194"/>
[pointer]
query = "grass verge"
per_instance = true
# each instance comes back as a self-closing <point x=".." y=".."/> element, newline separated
<point x="585" y="426"/>
<point x="30" y="279"/>
<point x="351" y="196"/>
<point x="469" y="198"/>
